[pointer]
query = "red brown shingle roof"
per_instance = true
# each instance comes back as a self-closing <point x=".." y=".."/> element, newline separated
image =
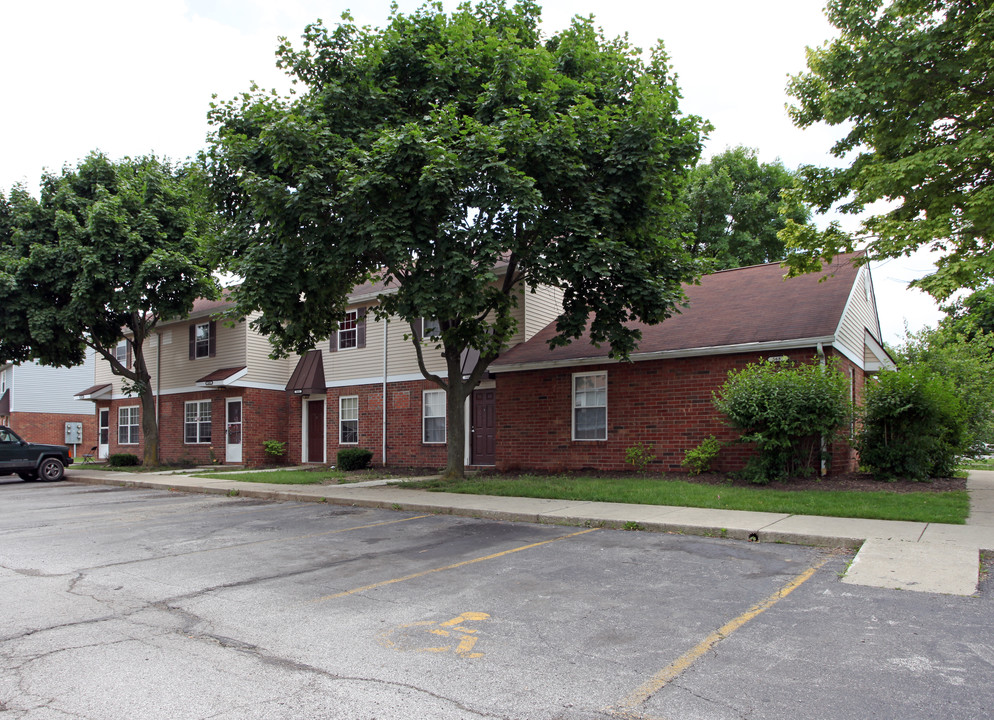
<point x="733" y="307"/>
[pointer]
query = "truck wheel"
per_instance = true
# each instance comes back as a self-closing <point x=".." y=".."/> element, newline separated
<point x="51" y="469"/>
<point x="28" y="476"/>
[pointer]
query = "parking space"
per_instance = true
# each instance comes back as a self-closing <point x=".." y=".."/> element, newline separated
<point x="121" y="603"/>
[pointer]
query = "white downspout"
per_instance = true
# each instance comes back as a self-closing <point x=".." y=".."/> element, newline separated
<point x="386" y="338"/>
<point x="158" y="386"/>
<point x="824" y="467"/>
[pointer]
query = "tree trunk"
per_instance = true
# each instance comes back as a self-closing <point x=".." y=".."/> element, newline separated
<point x="455" y="419"/>
<point x="143" y="381"/>
<point x="150" y="427"/>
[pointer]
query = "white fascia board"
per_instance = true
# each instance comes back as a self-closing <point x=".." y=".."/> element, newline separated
<point x="778" y="345"/>
<point x="883" y="357"/>
<point x="378" y="380"/>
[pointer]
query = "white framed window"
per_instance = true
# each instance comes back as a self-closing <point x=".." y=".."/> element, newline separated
<point x="433" y="416"/>
<point x="197" y="422"/>
<point x="121" y="352"/>
<point x="348" y="331"/>
<point x="3" y="381"/>
<point x="348" y="420"/>
<point x="590" y="406"/>
<point x="202" y="340"/>
<point x="128" y="419"/>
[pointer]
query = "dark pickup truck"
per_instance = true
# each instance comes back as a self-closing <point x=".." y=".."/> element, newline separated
<point x="31" y="460"/>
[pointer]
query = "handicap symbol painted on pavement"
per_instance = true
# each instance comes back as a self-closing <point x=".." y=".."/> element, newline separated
<point x="437" y="637"/>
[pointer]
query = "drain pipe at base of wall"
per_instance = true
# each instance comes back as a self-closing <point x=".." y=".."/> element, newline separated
<point x="824" y="467"/>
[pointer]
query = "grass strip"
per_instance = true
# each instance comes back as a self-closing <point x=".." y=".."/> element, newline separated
<point x="941" y="507"/>
<point x="284" y="477"/>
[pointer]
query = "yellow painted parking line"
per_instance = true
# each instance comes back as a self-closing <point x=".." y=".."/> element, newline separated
<point x="464" y="563"/>
<point x="678" y="666"/>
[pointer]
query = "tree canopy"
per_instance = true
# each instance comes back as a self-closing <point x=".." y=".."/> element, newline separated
<point x="107" y="251"/>
<point x="913" y="83"/>
<point x="460" y="157"/>
<point x="736" y="205"/>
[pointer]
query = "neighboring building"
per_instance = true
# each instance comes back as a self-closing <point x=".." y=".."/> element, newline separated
<point x="219" y="396"/>
<point x="37" y="401"/>
<point x="572" y="408"/>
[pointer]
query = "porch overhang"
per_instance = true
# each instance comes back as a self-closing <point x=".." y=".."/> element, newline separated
<point x="95" y="392"/>
<point x="308" y="376"/>
<point x="223" y="377"/>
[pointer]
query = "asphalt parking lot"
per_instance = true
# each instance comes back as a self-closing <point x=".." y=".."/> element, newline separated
<point x="128" y="603"/>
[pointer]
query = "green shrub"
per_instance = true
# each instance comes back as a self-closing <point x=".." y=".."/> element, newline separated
<point x="913" y="425"/>
<point x="968" y="362"/>
<point x="639" y="456"/>
<point x="275" y="449"/>
<point x="785" y="410"/>
<point x="354" y="458"/>
<point x="123" y="460"/>
<point x="698" y="460"/>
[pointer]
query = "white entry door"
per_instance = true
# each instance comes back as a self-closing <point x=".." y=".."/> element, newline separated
<point x="233" y="431"/>
<point x="103" y="434"/>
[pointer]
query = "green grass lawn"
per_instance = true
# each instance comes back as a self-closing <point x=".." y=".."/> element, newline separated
<point x="287" y="477"/>
<point x="942" y="507"/>
<point x="978" y="464"/>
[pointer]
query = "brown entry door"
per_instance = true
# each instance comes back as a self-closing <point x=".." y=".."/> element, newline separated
<point x="484" y="430"/>
<point x="315" y="431"/>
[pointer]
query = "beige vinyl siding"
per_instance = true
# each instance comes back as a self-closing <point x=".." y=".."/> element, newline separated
<point x="533" y="312"/>
<point x="519" y="314"/>
<point x="860" y="315"/>
<point x="541" y="308"/>
<point x="366" y="363"/>
<point x="179" y="371"/>
<point x="261" y="367"/>
<point x="102" y="375"/>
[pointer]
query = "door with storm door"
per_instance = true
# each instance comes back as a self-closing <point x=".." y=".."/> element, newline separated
<point x="233" y="431"/>
<point x="103" y="434"/>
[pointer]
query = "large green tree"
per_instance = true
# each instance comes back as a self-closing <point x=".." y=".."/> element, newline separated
<point x="913" y="83"/>
<point x="971" y="315"/>
<point x="736" y="205"/>
<point x="107" y="251"/>
<point x="457" y="156"/>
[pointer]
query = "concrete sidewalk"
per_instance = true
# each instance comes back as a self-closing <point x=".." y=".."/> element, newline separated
<point x="926" y="557"/>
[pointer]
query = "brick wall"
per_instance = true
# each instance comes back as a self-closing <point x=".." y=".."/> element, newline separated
<point x="50" y="428"/>
<point x="404" y="408"/>
<point x="663" y="403"/>
<point x="264" y="417"/>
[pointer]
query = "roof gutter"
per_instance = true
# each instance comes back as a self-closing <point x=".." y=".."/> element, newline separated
<point x="773" y="346"/>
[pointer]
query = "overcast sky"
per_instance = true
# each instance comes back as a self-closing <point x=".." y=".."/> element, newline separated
<point x="132" y="77"/>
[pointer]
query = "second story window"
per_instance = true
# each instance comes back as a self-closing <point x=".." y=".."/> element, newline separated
<point x="202" y="339"/>
<point x="122" y="354"/>
<point x="348" y="332"/>
<point x="351" y="331"/>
